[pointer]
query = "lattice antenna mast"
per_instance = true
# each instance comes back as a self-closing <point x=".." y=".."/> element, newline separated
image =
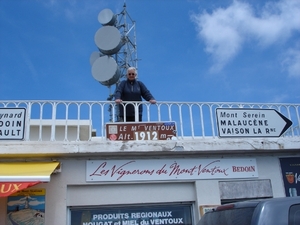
<point x="116" y="42"/>
<point x="127" y="56"/>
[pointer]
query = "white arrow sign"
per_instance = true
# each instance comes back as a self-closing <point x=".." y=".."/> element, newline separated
<point x="251" y="122"/>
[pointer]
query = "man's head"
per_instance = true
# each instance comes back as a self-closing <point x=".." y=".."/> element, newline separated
<point x="131" y="73"/>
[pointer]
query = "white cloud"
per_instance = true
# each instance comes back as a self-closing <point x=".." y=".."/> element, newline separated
<point x="225" y="30"/>
<point x="291" y="62"/>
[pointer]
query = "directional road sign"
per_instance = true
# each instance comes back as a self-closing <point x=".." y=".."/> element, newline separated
<point x="237" y="122"/>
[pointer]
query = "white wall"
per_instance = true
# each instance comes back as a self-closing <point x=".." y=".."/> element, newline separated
<point x="69" y="188"/>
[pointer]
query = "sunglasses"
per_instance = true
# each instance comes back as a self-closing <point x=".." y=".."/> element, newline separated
<point x="131" y="74"/>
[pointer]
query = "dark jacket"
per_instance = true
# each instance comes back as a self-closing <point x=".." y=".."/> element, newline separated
<point x="132" y="91"/>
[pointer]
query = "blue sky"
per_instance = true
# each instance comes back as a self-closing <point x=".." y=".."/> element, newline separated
<point x="188" y="50"/>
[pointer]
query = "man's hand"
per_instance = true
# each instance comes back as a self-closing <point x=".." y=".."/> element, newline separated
<point x="118" y="100"/>
<point x="152" y="101"/>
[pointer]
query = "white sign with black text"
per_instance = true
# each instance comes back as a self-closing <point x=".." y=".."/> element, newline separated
<point x="12" y="123"/>
<point x="251" y="122"/>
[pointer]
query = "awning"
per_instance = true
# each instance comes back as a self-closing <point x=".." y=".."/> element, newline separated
<point x="16" y="176"/>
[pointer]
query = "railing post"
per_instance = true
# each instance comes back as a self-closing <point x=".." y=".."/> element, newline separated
<point x="53" y="121"/>
<point x="28" y="116"/>
<point x="136" y="112"/>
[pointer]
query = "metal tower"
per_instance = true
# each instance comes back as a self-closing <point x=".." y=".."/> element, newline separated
<point x="117" y="49"/>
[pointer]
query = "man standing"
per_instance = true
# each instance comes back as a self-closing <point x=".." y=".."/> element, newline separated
<point x="132" y="90"/>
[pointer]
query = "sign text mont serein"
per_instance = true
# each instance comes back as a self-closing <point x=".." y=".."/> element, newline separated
<point x="236" y="122"/>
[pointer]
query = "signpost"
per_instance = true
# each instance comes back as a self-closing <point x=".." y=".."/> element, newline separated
<point x="251" y="122"/>
<point x="140" y="131"/>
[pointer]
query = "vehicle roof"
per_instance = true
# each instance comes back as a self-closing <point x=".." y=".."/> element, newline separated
<point x="265" y="211"/>
<point x="253" y="203"/>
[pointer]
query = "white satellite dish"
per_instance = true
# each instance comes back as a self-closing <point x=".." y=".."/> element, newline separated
<point x="107" y="17"/>
<point x="105" y="70"/>
<point x="93" y="57"/>
<point x="108" y="40"/>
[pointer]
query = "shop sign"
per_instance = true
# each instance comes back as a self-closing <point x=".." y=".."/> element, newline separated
<point x="133" y="215"/>
<point x="140" y="131"/>
<point x="290" y="168"/>
<point x="12" y="123"/>
<point x="168" y="169"/>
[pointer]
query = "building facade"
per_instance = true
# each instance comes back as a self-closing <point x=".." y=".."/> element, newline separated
<point x="83" y="168"/>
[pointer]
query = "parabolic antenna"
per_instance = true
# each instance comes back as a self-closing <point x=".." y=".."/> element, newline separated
<point x="93" y="57"/>
<point x="105" y="70"/>
<point x="107" y="17"/>
<point x="108" y="40"/>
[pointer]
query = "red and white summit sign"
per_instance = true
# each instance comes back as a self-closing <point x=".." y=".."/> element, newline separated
<point x="141" y="131"/>
<point x="251" y="122"/>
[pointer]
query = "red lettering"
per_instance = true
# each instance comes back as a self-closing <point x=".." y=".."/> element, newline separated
<point x="99" y="172"/>
<point x="212" y="170"/>
<point x="121" y="171"/>
<point x="177" y="170"/>
<point x="238" y="169"/>
<point x="162" y="170"/>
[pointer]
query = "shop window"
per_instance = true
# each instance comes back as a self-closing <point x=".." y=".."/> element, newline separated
<point x="132" y="215"/>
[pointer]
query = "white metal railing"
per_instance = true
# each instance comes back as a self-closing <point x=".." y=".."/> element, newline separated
<point x="193" y="119"/>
